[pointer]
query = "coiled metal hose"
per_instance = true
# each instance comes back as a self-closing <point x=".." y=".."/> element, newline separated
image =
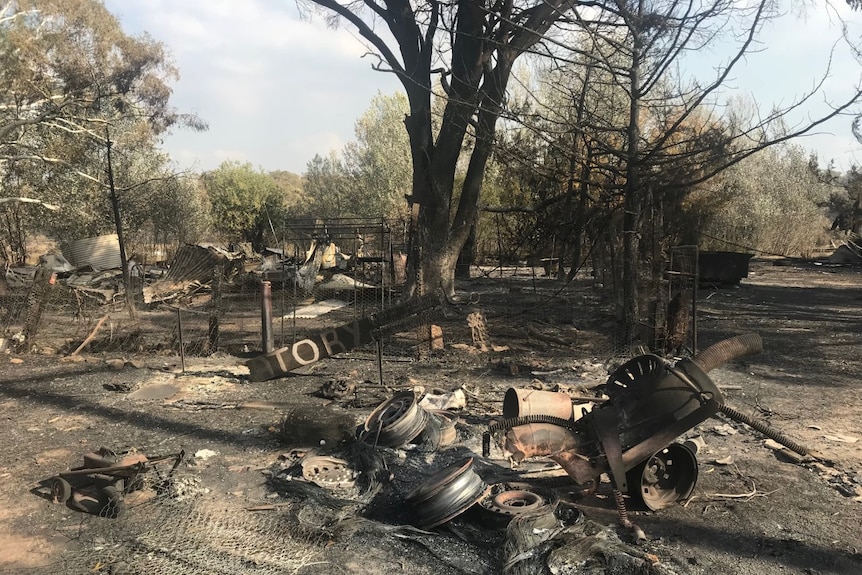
<point x="763" y="428"/>
<point x="726" y="350"/>
<point x="509" y="423"/>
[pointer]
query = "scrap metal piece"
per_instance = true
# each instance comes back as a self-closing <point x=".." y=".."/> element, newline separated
<point x="340" y="339"/>
<point x="447" y="494"/>
<point x="193" y="265"/>
<point x="656" y="403"/>
<point x="101" y="483"/>
<point x="506" y="501"/>
<point x="447" y="419"/>
<point x="605" y="424"/>
<point x="329" y="472"/>
<point x="337" y="388"/>
<point x="397" y="421"/>
<point x="666" y="478"/>
<point x="310" y="350"/>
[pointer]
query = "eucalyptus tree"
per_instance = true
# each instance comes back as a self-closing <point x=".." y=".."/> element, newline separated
<point x="563" y="150"/>
<point x="370" y="176"/>
<point x="379" y="159"/>
<point x="329" y="188"/>
<point x="290" y="185"/>
<point x="470" y="49"/>
<point x="71" y="81"/>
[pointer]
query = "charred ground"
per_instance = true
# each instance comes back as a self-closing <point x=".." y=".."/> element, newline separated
<point x="752" y="511"/>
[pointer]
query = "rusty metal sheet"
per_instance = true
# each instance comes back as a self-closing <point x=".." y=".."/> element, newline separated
<point x="339" y="339"/>
<point x="310" y="350"/>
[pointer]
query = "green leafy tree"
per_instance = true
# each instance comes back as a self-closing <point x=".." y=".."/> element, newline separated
<point x="379" y="159"/>
<point x="370" y="176"/>
<point x="773" y="202"/>
<point x="290" y="185"/>
<point x="329" y="188"/>
<point x="243" y="201"/>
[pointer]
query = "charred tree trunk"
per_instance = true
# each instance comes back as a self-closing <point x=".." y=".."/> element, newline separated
<point x="467" y="255"/>
<point x="124" y="261"/>
<point x="36" y="299"/>
<point x="437" y="243"/>
<point x="632" y="204"/>
<point x="482" y="46"/>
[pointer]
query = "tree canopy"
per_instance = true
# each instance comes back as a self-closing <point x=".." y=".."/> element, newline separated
<point x="70" y="79"/>
<point x="638" y="134"/>
<point x="244" y="202"/>
<point x="370" y="176"/>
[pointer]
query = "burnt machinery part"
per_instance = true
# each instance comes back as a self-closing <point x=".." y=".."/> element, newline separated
<point x="666" y="478"/>
<point x="507" y="500"/>
<point x="447" y="494"/>
<point x="506" y="424"/>
<point x="520" y="402"/>
<point x="447" y="419"/>
<point x="728" y="349"/>
<point x="395" y="422"/>
<point x="61" y="490"/>
<point x="116" y="505"/>
<point x="765" y="429"/>
<point x="649" y="397"/>
<point x="328" y="472"/>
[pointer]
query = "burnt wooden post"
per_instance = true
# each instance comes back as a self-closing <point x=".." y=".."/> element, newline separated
<point x="266" y="316"/>
<point x="180" y="336"/>
<point x="36" y="298"/>
<point x="215" y="307"/>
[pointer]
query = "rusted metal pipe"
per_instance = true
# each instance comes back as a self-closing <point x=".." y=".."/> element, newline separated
<point x="182" y="345"/>
<point x="266" y="316"/>
<point x="521" y="402"/>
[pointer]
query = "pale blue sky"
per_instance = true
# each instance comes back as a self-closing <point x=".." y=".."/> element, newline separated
<point x="277" y="89"/>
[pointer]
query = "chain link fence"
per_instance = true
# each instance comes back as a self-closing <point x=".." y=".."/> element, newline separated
<point x="322" y="275"/>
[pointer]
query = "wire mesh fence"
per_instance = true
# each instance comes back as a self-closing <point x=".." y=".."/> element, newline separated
<point x="322" y="274"/>
<point x="188" y="535"/>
